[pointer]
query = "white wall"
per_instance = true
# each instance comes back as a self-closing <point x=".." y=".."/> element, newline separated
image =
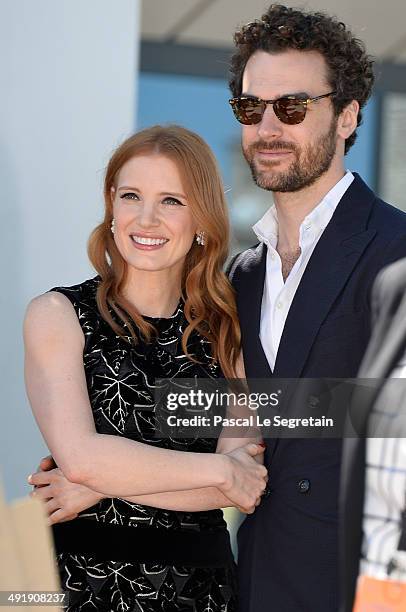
<point x="68" y="73"/>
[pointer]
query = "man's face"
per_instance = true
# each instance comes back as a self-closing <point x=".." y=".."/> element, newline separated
<point x="285" y="158"/>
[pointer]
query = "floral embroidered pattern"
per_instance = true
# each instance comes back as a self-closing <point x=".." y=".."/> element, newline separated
<point x="121" y="378"/>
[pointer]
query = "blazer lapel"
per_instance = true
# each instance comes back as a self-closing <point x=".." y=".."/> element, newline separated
<point x="249" y="302"/>
<point x="333" y="259"/>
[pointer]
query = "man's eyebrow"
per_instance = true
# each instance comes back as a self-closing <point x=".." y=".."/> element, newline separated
<point x="298" y="94"/>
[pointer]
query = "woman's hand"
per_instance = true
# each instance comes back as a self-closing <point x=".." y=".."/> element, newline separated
<point x="247" y="478"/>
<point x="63" y="499"/>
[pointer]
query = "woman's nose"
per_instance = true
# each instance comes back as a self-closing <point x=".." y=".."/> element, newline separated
<point x="148" y="215"/>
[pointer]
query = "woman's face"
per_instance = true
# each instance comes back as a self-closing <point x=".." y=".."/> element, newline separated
<point x="154" y="228"/>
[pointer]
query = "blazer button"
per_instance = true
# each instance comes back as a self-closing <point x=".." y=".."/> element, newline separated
<point x="303" y="485"/>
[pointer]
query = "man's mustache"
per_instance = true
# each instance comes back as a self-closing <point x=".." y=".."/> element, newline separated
<point x="277" y="145"/>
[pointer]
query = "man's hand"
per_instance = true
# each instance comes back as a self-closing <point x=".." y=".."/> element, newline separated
<point x="47" y="463"/>
<point x="63" y="499"/>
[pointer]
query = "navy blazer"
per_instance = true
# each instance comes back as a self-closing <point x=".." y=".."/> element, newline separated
<point x="288" y="549"/>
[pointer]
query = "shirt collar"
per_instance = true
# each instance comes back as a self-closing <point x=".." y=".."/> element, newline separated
<point x="266" y="229"/>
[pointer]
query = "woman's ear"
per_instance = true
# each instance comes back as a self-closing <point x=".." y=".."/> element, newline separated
<point x="112" y="193"/>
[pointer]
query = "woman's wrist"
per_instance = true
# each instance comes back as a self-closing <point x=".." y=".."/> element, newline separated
<point x="223" y="472"/>
<point x="98" y="496"/>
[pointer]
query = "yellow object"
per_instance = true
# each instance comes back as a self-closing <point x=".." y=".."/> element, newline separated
<point x="27" y="561"/>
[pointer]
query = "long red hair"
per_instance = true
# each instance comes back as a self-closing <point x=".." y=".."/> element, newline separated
<point x="210" y="307"/>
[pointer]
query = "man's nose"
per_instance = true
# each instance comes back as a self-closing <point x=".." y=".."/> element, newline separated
<point x="270" y="126"/>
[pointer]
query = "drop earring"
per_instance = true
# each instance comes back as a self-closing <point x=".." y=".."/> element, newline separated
<point x="200" y="238"/>
<point x="112" y="226"/>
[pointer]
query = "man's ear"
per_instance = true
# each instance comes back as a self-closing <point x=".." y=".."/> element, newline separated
<point x="347" y="120"/>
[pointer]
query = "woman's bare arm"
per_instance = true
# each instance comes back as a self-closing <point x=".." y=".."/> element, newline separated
<point x="113" y="466"/>
<point x="210" y="497"/>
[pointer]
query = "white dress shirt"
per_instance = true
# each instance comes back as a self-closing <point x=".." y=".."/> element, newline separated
<point x="278" y="295"/>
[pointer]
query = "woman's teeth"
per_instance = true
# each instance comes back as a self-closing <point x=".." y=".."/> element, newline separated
<point x="148" y="241"/>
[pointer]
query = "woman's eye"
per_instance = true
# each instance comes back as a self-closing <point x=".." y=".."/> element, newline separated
<point x="172" y="202"/>
<point x="129" y="196"/>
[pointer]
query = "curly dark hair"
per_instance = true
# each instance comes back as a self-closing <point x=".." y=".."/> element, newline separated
<point x="350" y="69"/>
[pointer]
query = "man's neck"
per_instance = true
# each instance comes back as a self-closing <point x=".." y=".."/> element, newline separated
<point x="293" y="208"/>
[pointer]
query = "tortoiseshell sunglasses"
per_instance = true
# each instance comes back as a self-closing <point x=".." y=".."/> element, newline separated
<point x="249" y="110"/>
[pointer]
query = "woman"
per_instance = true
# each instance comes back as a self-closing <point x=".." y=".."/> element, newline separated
<point x="152" y="537"/>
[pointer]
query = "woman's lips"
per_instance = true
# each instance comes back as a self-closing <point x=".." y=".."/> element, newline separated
<point x="147" y="243"/>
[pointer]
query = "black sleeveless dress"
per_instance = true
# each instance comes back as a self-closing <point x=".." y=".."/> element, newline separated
<point x="118" y="555"/>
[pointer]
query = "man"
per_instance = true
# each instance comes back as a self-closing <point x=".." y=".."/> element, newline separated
<point x="373" y="486"/>
<point x="299" y="81"/>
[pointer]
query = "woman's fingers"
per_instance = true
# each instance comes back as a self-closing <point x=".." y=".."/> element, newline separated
<point x="248" y="479"/>
<point x="254" y="449"/>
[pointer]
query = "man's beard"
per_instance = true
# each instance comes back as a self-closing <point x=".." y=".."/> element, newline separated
<point x="308" y="165"/>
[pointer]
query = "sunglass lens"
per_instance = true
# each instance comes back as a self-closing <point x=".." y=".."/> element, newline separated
<point x="248" y="112"/>
<point x="290" y="111"/>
